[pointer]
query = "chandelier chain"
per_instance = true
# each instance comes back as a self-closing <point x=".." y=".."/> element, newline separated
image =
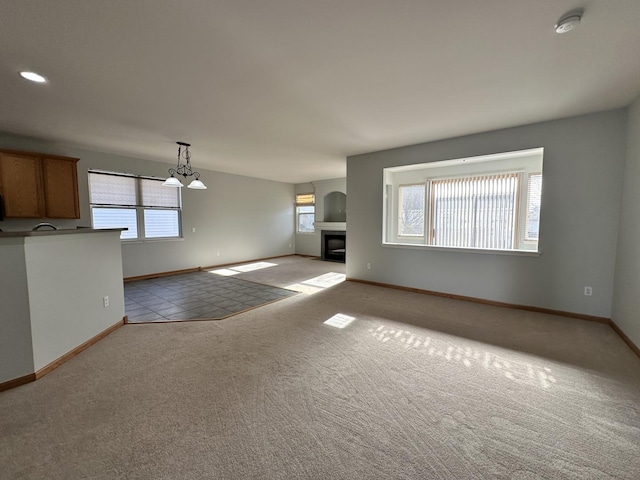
<point x="184" y="169"/>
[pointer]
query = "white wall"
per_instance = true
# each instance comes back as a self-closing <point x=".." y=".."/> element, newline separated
<point x="16" y="352"/>
<point x="243" y="218"/>
<point x="626" y="301"/>
<point x="583" y="169"/>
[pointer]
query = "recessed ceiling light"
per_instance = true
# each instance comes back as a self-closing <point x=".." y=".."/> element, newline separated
<point x="568" y="23"/>
<point x="34" y="77"/>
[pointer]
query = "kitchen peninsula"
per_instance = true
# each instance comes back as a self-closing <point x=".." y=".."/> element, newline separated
<point x="60" y="291"/>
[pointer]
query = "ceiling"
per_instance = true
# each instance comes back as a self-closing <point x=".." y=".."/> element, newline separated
<point x="287" y="89"/>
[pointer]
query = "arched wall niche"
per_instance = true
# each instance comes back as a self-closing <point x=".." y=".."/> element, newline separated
<point x="335" y="207"/>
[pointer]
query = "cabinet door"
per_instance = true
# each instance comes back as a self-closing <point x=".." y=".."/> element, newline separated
<point x="60" y="188"/>
<point x="21" y="186"/>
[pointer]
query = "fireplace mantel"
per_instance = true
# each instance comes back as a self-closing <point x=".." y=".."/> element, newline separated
<point x="330" y="225"/>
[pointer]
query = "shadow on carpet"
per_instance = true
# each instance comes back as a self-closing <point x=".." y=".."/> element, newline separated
<point x="195" y="296"/>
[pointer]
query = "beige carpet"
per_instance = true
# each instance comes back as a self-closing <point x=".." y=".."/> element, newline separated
<point x="290" y="270"/>
<point x="415" y="387"/>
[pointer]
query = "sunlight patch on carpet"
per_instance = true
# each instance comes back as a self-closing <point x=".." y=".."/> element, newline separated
<point x="339" y="320"/>
<point x="521" y="372"/>
<point x="317" y="284"/>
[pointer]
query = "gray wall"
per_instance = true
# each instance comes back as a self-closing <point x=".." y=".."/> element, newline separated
<point x="65" y="294"/>
<point x="16" y="350"/>
<point x="52" y="300"/>
<point x="626" y="304"/>
<point x="583" y="169"/>
<point x="242" y="218"/>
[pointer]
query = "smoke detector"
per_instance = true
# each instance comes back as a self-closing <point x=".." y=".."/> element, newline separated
<point x="568" y="22"/>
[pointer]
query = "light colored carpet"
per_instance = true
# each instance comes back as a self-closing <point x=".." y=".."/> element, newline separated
<point x="416" y="387"/>
<point x="291" y="270"/>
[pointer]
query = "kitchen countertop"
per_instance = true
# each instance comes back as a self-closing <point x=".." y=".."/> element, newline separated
<point x="48" y="232"/>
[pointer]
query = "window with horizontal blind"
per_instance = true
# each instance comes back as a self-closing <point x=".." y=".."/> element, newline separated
<point x="141" y="204"/>
<point x="305" y="212"/>
<point x="491" y="202"/>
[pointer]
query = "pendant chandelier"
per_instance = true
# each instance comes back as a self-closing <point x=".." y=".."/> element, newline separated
<point x="184" y="169"/>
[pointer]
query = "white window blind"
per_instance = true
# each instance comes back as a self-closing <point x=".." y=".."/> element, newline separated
<point x="475" y="212"/>
<point x="155" y="195"/>
<point x="411" y="211"/>
<point x="106" y="189"/>
<point x="305" y="199"/>
<point x="534" y="194"/>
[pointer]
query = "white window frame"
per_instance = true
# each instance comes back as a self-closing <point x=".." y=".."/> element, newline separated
<point x="305" y="200"/>
<point x="523" y="163"/>
<point x="139" y="208"/>
<point x="525" y="207"/>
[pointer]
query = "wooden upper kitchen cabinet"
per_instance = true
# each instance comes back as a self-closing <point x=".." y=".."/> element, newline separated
<point x="60" y="179"/>
<point x="21" y="186"/>
<point x="35" y="185"/>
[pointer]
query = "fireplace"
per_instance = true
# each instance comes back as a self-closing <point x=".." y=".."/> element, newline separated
<point x="334" y="245"/>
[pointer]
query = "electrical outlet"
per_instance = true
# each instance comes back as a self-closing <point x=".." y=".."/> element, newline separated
<point x="193" y="229"/>
<point x="217" y="254"/>
<point x="105" y="301"/>
<point x="368" y="266"/>
<point x="588" y="291"/>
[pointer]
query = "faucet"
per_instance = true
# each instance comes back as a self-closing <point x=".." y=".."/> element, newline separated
<point x="44" y="225"/>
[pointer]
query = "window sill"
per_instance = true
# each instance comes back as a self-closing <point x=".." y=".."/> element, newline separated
<point x="152" y="240"/>
<point x="521" y="253"/>
<point x="305" y="233"/>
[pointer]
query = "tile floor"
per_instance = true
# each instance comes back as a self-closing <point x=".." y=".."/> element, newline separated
<point x="197" y="295"/>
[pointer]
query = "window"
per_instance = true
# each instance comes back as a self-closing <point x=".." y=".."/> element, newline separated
<point x="141" y="204"/>
<point x="533" y="207"/>
<point x="411" y="210"/>
<point x="305" y="212"/>
<point x="477" y="212"/>
<point x="491" y="202"/>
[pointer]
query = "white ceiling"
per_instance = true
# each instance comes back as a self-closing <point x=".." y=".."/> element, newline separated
<point x="286" y="89"/>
